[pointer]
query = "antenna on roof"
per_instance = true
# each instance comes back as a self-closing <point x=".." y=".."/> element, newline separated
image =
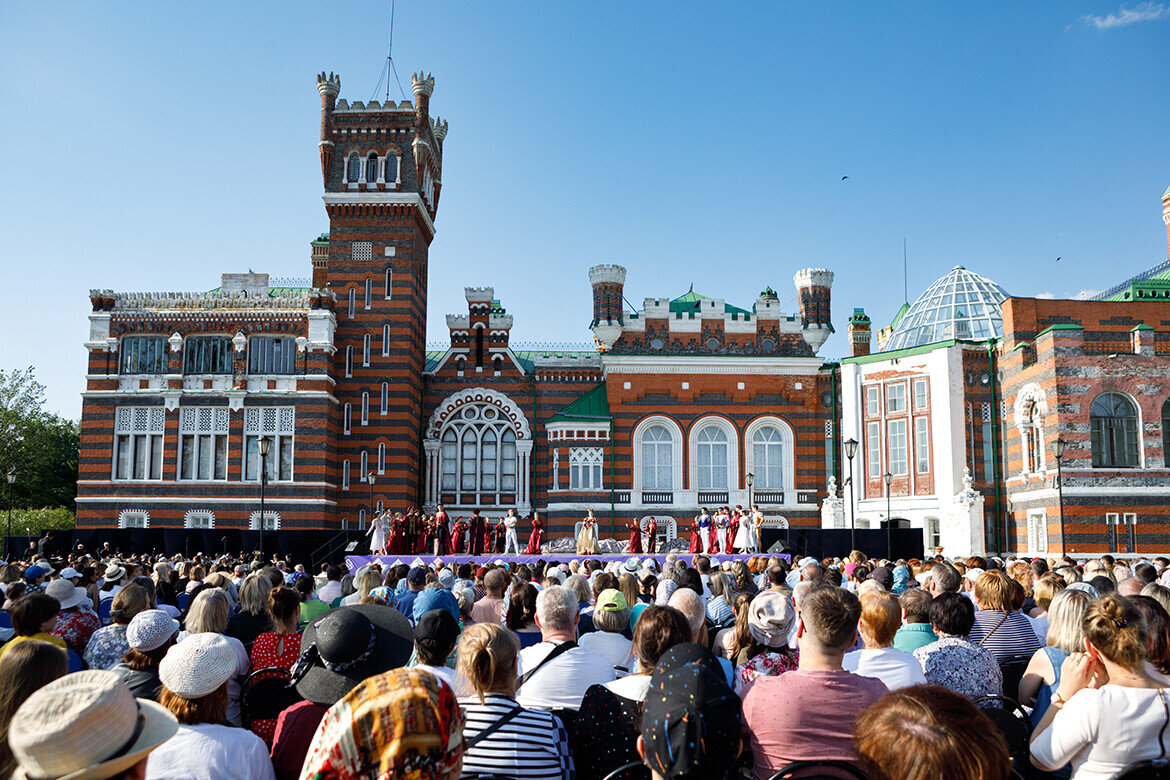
<point x="692" y="288"/>
<point x="905" y="283"/>
<point x="388" y="69"/>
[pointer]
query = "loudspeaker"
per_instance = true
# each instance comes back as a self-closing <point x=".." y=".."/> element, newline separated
<point x="779" y="548"/>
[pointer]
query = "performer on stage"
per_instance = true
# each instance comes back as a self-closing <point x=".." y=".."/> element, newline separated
<point x="511" y="541"/>
<point x="476" y="526"/>
<point x="457" y="531"/>
<point x="377" y="534"/>
<point x="743" y="530"/>
<point x="423" y="540"/>
<point x="587" y="539"/>
<point x="489" y="536"/>
<point x="536" y="538"/>
<point x="651" y="535"/>
<point x="697" y="544"/>
<point x="706" y="530"/>
<point x="498" y="536"/>
<point x="722" y="519"/>
<point x="757" y="529"/>
<point x="635" y="544"/>
<point x="441" y="531"/>
<point x="394" y="538"/>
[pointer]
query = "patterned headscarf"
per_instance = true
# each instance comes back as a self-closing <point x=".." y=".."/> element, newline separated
<point x="384" y="595"/>
<point x="403" y="724"/>
<point x="901" y="580"/>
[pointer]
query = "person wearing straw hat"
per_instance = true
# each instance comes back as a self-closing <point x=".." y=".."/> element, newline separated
<point x="151" y="634"/>
<point x="75" y="625"/>
<point x="113" y="581"/>
<point x="194" y="675"/>
<point x="87" y="726"/>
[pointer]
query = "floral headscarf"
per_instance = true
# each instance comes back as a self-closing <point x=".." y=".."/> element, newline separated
<point x="383" y="595"/>
<point x="401" y="724"/>
<point x="901" y="580"/>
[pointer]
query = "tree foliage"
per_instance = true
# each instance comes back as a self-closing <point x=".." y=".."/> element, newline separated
<point x="39" y="447"/>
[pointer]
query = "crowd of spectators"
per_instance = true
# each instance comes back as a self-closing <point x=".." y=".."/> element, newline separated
<point x="230" y="669"/>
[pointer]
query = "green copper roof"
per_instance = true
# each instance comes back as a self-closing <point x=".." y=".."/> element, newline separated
<point x="859" y="317"/>
<point x="901" y="313"/>
<point x="691" y="301"/>
<point x="1151" y="284"/>
<point x="593" y="405"/>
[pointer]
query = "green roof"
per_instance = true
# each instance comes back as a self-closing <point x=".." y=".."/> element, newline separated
<point x="691" y="301"/>
<point x="1151" y="284"/>
<point x="593" y="405"/>
<point x="898" y="317"/>
<point x="911" y="351"/>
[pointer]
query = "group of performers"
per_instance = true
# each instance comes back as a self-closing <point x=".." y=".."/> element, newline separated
<point x="413" y="533"/>
<point x="727" y="531"/>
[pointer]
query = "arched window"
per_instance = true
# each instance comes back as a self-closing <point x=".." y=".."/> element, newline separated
<point x="345" y="475"/>
<point x="768" y="458"/>
<point x="349" y="361"/>
<point x="389" y="281"/>
<point x="369" y="292"/>
<point x="372" y="168"/>
<point x="346" y="421"/>
<point x="1114" y="429"/>
<point x="381" y="463"/>
<point x="353" y="169"/>
<point x="352" y="301"/>
<point x="366" y="350"/>
<point x="385" y="398"/>
<point x="711" y="459"/>
<point x="1034" y="440"/>
<point x="365" y="414"/>
<point x="657" y="459"/>
<point x="391" y="167"/>
<point x="365" y="465"/>
<point x="478" y="455"/>
<point x="385" y="341"/>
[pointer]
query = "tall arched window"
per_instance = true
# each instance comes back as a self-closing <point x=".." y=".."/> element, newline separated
<point x="365" y="465"/>
<point x="345" y="423"/>
<point x="478" y="455"/>
<point x="372" y="168"/>
<point x="389" y="281"/>
<point x="391" y="167"/>
<point x="365" y="413"/>
<point x="366" y="350"/>
<point x="353" y="169"/>
<point x="345" y="475"/>
<point x="349" y="361"/>
<point x="352" y="301"/>
<point x="369" y="292"/>
<point x="385" y="398"/>
<point x="385" y="341"/>
<point x="657" y="459"/>
<point x="1114" y="428"/>
<point x="711" y="457"/>
<point x="768" y="458"/>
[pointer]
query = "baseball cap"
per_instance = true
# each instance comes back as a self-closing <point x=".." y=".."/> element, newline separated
<point x="435" y="598"/>
<point x="70" y="573"/>
<point x="417" y="576"/>
<point x="610" y="600"/>
<point x="32" y="572"/>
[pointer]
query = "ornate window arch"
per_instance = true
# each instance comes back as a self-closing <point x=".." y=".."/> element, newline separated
<point x="1114" y="428"/>
<point x="199" y="518"/>
<point x="658" y="461"/>
<point x="134" y="518"/>
<point x="714" y="454"/>
<point x="371" y="168"/>
<point x="1031" y="409"/>
<point x="770" y="453"/>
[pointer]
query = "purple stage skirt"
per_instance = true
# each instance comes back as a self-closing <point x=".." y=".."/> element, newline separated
<point x="354" y="562"/>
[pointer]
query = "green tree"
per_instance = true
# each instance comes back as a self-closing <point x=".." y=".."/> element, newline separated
<point x="41" y="448"/>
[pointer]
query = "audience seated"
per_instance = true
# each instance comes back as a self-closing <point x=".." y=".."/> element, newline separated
<point x="108" y="644"/>
<point x="915" y="631"/>
<point x="611" y="619"/>
<point x="492" y="607"/>
<point x="688" y="601"/>
<point x="436" y="634"/>
<point x="770" y="620"/>
<point x="1008" y="634"/>
<point x="953" y="661"/>
<point x="30" y="666"/>
<point x="881" y="615"/>
<point x="75" y="622"/>
<point x="1065" y="636"/>
<point x="34" y="615"/>
<point x="151" y="634"/>
<point x="520" y="617"/>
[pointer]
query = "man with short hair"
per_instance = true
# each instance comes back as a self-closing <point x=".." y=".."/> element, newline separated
<point x="491" y="608"/>
<point x="416" y="580"/>
<point x="694" y="609"/>
<point x="820" y="700"/>
<point x="558" y="682"/>
<point x="944" y="578"/>
<point x="778" y="579"/>
<point x="331" y="590"/>
<point x="915" y="631"/>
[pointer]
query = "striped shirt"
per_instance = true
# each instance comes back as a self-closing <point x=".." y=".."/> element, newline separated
<point x="1013" y="638"/>
<point x="531" y="745"/>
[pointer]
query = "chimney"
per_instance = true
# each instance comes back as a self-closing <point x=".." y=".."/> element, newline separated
<point x="859" y="333"/>
<point x="320" y="260"/>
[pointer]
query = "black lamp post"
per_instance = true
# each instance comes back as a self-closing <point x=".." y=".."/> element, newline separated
<point x="888" y="477"/>
<point x="370" y="479"/>
<point x="263" y="446"/>
<point x="750" y="479"/>
<point x="850" y="451"/>
<point x="1058" y="450"/>
<point x="11" y="482"/>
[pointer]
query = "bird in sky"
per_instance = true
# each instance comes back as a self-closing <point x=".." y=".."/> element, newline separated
<point x="1058" y="259"/>
<point x="843" y="178"/>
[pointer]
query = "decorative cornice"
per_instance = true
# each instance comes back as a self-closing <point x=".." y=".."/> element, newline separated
<point x="381" y="199"/>
<point x="699" y="364"/>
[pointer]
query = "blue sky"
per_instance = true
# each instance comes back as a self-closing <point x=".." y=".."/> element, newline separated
<point x="152" y="146"/>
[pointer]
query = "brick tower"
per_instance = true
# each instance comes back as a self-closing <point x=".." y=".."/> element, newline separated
<point x="859" y="333"/>
<point x="608" y="282"/>
<point x="813" y="287"/>
<point x="381" y="166"/>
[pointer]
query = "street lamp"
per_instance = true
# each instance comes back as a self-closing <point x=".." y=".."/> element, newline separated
<point x="11" y="481"/>
<point x="1058" y="450"/>
<point x="750" y="479"/>
<point x="263" y="446"/>
<point x="888" y="477"/>
<point x="850" y="451"/>
<point x="370" y="479"/>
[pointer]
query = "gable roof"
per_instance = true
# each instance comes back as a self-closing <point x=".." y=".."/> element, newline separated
<point x="691" y="301"/>
<point x="594" y="406"/>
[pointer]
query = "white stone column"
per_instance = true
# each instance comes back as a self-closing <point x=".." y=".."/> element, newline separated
<point x="432" y="450"/>
<point x="524" y="475"/>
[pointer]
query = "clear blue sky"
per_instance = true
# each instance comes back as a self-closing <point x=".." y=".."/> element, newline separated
<point x="152" y="146"/>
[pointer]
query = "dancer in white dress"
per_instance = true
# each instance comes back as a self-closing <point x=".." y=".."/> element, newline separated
<point x="722" y="521"/>
<point x="743" y="534"/>
<point x="377" y="534"/>
<point x="587" y="539"/>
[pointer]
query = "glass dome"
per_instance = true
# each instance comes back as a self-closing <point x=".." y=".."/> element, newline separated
<point x="961" y="305"/>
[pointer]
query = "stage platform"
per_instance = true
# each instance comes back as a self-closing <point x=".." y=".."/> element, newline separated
<point x="354" y="562"/>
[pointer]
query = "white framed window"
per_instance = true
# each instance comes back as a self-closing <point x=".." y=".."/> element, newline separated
<point x="365" y="409"/>
<point x="381" y="459"/>
<point x="1037" y="532"/>
<point x="369" y="292"/>
<point x="873" y="400"/>
<point x="271" y="521"/>
<point x="349" y="361"/>
<point x="366" y="350"/>
<point x="768" y="458"/>
<point x="712" y="458"/>
<point x="933" y="533"/>
<point x="352" y="302"/>
<point x="199" y="519"/>
<point x="345" y="475"/>
<point x="365" y="462"/>
<point x="873" y="449"/>
<point x="131" y="518"/>
<point x="388" y="284"/>
<point x="897" y="448"/>
<point x="895" y="398"/>
<point x="361" y="519"/>
<point x="347" y="413"/>
<point x="138" y="442"/>
<point x="586" y="466"/>
<point x="385" y="398"/>
<point x="385" y="341"/>
<point x="278" y="424"/>
<point x="143" y="355"/>
<point x="203" y="443"/>
<point x="920" y="399"/>
<point x="477" y="456"/>
<point x="1122" y="531"/>
<point x="379" y="508"/>
<point x="922" y="445"/>
<point x="657" y="459"/>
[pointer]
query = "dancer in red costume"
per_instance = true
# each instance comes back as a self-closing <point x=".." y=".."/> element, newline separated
<point x="476" y="526"/>
<point x="712" y="539"/>
<point x="498" y="536"/>
<point x="536" y="538"/>
<point x="488" y="545"/>
<point x="696" y="542"/>
<point x="423" y="540"/>
<point x="457" y="530"/>
<point x="651" y="535"/>
<point x="440" y="531"/>
<point x="634" y="546"/>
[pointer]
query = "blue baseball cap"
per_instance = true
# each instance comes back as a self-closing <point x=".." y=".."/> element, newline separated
<point x="435" y="598"/>
<point x="32" y="572"/>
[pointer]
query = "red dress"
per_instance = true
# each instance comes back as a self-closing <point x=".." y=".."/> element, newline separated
<point x="635" y="545"/>
<point x="696" y="543"/>
<point x="457" y="536"/>
<point x="475" y="542"/>
<point x="651" y="536"/>
<point x="713" y="538"/>
<point x="264" y="656"/>
<point x="536" y="538"/>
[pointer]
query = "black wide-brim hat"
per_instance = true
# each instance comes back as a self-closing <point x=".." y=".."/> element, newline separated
<point x="351" y="644"/>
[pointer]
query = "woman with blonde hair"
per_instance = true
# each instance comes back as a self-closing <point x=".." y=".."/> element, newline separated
<point x="734" y="641"/>
<point x="881" y="617"/>
<point x="254" y="617"/>
<point x="524" y="742"/>
<point x="1108" y="710"/>
<point x="367" y="581"/>
<point x="208" y="614"/>
<point x="1066" y="635"/>
<point x="1008" y="634"/>
<point x="107" y="645"/>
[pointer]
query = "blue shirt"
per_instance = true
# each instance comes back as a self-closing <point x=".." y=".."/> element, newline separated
<point x="405" y="604"/>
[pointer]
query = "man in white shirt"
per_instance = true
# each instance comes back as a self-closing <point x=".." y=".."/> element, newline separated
<point x="510" y="540"/>
<point x="558" y="684"/>
<point x="331" y="590"/>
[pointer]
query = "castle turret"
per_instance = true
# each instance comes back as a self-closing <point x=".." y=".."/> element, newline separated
<point x="320" y="261"/>
<point x="608" y="285"/>
<point x="329" y="87"/>
<point x="859" y="333"/>
<point x="812" y="288"/>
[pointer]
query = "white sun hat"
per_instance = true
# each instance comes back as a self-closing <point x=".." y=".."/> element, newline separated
<point x="150" y="629"/>
<point x="68" y="594"/>
<point x="198" y="665"/>
<point x="86" y="726"/>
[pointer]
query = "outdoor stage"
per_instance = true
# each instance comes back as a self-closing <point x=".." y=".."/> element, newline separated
<point x="354" y="562"/>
